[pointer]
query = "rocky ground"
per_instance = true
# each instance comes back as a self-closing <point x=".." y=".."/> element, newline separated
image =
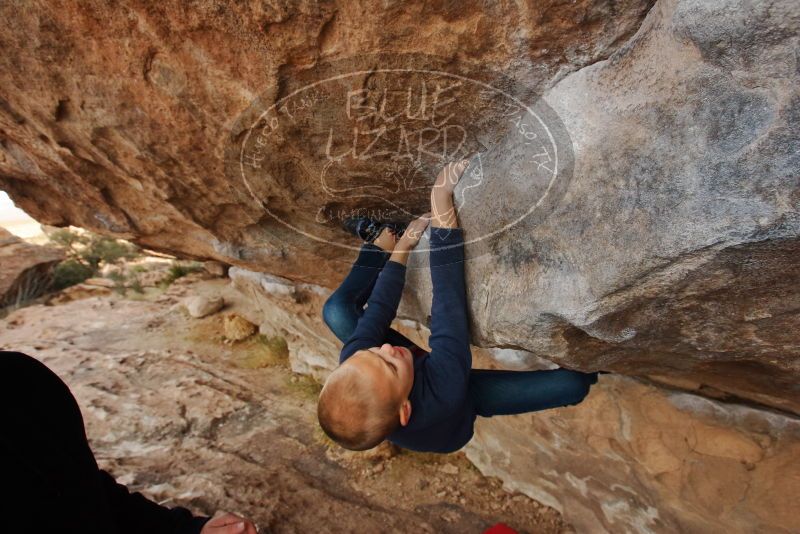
<point x="179" y="412"/>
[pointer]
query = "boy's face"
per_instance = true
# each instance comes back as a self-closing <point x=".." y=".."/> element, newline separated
<point x="392" y="368"/>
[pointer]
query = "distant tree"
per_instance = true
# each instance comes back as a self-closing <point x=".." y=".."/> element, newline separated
<point x="86" y="254"/>
<point x="70" y="272"/>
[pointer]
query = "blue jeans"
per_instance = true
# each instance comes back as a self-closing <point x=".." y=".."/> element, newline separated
<point x="493" y="392"/>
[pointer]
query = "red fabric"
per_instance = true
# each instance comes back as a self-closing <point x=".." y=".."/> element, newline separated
<point x="500" y="528"/>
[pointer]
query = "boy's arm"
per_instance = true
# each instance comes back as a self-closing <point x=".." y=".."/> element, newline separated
<point x="450" y="361"/>
<point x="382" y="304"/>
<point x="381" y="309"/>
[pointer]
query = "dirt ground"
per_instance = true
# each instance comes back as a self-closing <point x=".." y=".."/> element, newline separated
<point x="176" y="412"/>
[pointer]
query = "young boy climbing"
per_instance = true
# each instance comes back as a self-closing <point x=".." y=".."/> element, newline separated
<point x="386" y="387"/>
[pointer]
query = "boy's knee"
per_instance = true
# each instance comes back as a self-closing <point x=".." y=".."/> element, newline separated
<point x="336" y="315"/>
<point x="332" y="310"/>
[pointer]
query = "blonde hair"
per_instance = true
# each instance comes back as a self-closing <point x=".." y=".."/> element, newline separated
<point x="351" y="414"/>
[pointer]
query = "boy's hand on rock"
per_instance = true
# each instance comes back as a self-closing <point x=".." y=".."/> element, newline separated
<point x="449" y="176"/>
<point x="444" y="213"/>
<point x="413" y="233"/>
<point x="386" y="240"/>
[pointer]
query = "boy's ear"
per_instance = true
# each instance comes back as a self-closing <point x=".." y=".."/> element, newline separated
<point x="405" y="412"/>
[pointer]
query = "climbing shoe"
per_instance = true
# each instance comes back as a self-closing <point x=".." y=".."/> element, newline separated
<point x="364" y="228"/>
<point x="397" y="228"/>
<point x="368" y="229"/>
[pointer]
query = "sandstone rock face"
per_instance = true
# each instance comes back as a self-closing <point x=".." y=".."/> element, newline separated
<point x="633" y="457"/>
<point x="215" y="268"/>
<point x="78" y="292"/>
<point x="673" y="252"/>
<point x="293" y="311"/>
<point x="664" y="244"/>
<point x="125" y="133"/>
<point x="641" y="217"/>
<point x="638" y="458"/>
<point x="100" y="282"/>
<point x="26" y="270"/>
<point x="171" y="412"/>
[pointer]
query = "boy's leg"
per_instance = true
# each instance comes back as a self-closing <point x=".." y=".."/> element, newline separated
<point x="495" y="392"/>
<point x="345" y="306"/>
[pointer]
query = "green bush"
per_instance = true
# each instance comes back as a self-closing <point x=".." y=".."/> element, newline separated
<point x="101" y="249"/>
<point x="178" y="270"/>
<point x="64" y="237"/>
<point x="116" y="276"/>
<point x="70" y="272"/>
<point x="86" y="253"/>
<point x="136" y="285"/>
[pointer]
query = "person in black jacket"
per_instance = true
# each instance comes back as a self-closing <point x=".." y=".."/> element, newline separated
<point x="52" y="481"/>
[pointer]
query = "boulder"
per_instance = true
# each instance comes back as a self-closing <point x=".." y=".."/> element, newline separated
<point x="237" y="328"/>
<point x="215" y="268"/>
<point x="632" y="204"/>
<point x="201" y="305"/>
<point x="640" y="217"/>
<point x="100" y="282"/>
<point x="78" y="292"/>
<point x="26" y="270"/>
<point x="152" y="278"/>
<point x="313" y="350"/>
<point x="672" y="250"/>
<point x="634" y="456"/>
<point x="130" y="139"/>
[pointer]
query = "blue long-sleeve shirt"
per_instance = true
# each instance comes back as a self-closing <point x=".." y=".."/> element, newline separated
<point x="442" y="417"/>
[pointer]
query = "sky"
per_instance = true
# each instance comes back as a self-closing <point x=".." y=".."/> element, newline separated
<point x="15" y="220"/>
